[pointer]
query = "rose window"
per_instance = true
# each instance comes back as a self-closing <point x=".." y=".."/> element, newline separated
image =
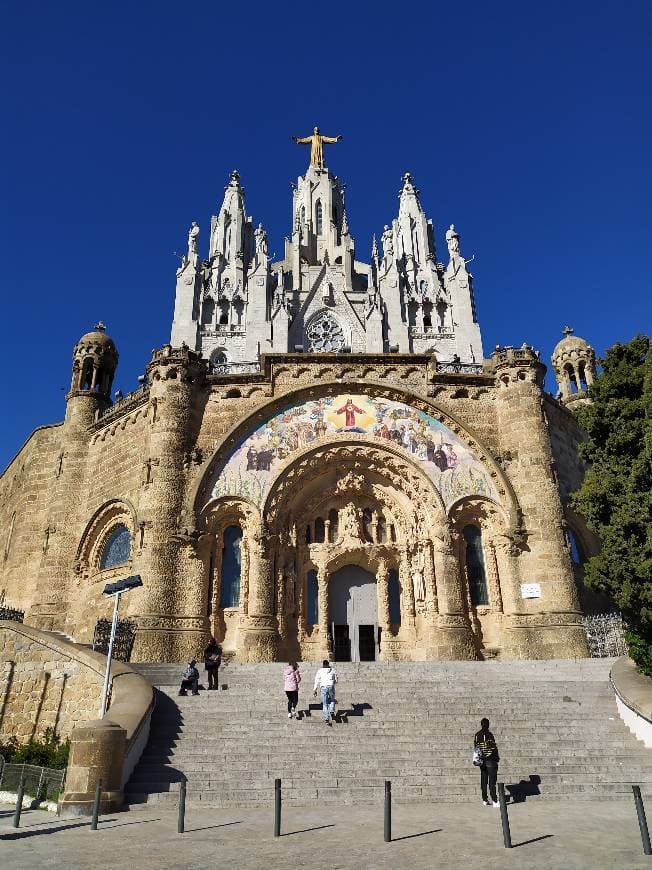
<point x="325" y="333"/>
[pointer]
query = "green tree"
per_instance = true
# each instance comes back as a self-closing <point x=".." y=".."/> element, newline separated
<point x="616" y="496"/>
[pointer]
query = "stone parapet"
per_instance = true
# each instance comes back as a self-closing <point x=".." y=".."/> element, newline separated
<point x="51" y="682"/>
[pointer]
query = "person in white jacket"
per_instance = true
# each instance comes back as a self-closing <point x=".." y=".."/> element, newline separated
<point x="325" y="680"/>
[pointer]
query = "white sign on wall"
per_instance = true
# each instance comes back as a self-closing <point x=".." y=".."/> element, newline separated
<point x="530" y="590"/>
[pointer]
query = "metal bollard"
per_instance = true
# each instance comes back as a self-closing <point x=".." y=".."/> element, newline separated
<point x="642" y="821"/>
<point x="19" y="802"/>
<point x="388" y="811"/>
<point x="277" y="807"/>
<point x="96" y="805"/>
<point x="181" y="821"/>
<point x="507" y="834"/>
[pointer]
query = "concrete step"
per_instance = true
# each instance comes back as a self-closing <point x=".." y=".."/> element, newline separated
<point x="410" y="722"/>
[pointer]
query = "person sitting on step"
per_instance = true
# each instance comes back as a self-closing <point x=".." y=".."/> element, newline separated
<point x="190" y="678"/>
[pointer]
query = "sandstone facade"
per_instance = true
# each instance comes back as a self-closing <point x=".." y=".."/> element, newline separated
<point x="276" y="498"/>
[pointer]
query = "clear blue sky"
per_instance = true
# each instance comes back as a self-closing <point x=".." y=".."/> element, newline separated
<point x="527" y="125"/>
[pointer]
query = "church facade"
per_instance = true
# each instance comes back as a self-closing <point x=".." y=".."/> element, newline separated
<point x="321" y="462"/>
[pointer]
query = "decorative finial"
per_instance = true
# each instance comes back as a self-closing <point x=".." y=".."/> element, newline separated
<point x="568" y="330"/>
<point x="99" y="327"/>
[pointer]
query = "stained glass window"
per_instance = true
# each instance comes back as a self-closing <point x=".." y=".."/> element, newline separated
<point x="475" y="566"/>
<point x="117" y="548"/>
<point x="312" y="615"/>
<point x="394" y="597"/>
<point x="231" y="565"/>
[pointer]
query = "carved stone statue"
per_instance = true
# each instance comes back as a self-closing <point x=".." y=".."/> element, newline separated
<point x="419" y="585"/>
<point x="316" y="142"/>
<point x="350" y="521"/>
<point x="261" y="241"/>
<point x="193" y="236"/>
<point x="453" y="241"/>
<point x="388" y="243"/>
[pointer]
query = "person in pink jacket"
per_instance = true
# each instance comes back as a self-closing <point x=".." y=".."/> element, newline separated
<point x="291" y="681"/>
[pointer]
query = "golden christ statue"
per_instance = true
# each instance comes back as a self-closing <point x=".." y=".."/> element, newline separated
<point x="316" y="142"/>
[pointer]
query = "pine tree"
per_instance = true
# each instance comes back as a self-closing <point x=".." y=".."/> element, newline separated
<point x="616" y="496"/>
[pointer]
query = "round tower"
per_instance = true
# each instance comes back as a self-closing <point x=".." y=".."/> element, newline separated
<point x="95" y="360"/>
<point x="573" y="360"/>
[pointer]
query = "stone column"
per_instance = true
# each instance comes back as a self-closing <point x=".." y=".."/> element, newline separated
<point x="432" y="603"/>
<point x="382" y="590"/>
<point x="260" y="640"/>
<point x="322" y="605"/>
<point x="454" y="637"/>
<point x="407" y="586"/>
<point x="495" y="597"/>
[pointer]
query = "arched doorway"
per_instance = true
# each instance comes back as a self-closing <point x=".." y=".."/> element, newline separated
<point x="353" y="608"/>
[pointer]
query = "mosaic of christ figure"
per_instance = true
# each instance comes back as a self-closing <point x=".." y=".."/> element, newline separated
<point x="350" y="410"/>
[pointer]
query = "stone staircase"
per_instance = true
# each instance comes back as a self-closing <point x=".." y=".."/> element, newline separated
<point x="555" y="722"/>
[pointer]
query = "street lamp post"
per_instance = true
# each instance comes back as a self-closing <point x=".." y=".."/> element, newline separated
<point x="115" y="589"/>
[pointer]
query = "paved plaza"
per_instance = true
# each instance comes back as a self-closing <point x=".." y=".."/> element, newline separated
<point x="545" y="834"/>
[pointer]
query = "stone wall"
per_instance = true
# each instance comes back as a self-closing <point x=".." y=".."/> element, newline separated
<point x="43" y="684"/>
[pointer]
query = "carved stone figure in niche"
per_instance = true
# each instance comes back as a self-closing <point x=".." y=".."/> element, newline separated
<point x="350" y="521"/>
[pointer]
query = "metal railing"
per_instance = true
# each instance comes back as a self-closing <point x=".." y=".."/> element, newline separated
<point x="124" y="638"/>
<point x="11" y="613"/>
<point x="605" y="635"/>
<point x="40" y="783"/>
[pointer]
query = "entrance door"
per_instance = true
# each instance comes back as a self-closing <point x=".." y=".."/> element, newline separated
<point x="367" y="643"/>
<point x="342" y="643"/>
<point x="353" y="606"/>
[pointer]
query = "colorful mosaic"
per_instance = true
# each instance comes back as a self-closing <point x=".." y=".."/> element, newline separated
<point x="454" y="469"/>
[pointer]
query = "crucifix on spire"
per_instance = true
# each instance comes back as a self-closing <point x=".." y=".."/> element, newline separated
<point x="316" y="142"/>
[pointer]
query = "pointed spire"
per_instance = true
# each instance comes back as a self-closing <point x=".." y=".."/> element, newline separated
<point x="408" y="189"/>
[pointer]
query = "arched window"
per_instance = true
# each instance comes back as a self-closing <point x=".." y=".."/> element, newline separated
<point x="312" y="609"/>
<point x="218" y="360"/>
<point x="366" y="525"/>
<point x="231" y="565"/>
<point x="572" y="380"/>
<point x="582" y="373"/>
<point x="208" y="311"/>
<point x="382" y="529"/>
<point x="117" y="548"/>
<point x="394" y="597"/>
<point x="87" y="374"/>
<point x="333" y="528"/>
<point x="427" y="315"/>
<point x="576" y="551"/>
<point x="319" y="531"/>
<point x="319" y="217"/>
<point x="224" y="313"/>
<point x="475" y="566"/>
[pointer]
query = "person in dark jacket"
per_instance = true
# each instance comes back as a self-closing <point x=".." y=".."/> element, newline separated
<point x="190" y="679"/>
<point x="485" y="742"/>
<point x="212" y="662"/>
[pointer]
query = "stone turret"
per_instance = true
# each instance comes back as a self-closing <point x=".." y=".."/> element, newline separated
<point x="95" y="360"/>
<point x="573" y="361"/>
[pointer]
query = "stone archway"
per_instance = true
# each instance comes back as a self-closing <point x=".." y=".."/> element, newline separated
<point x="353" y="608"/>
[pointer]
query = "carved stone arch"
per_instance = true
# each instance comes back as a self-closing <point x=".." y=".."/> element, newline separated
<point x="198" y="492"/>
<point x="109" y="515"/>
<point x="362" y="454"/>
